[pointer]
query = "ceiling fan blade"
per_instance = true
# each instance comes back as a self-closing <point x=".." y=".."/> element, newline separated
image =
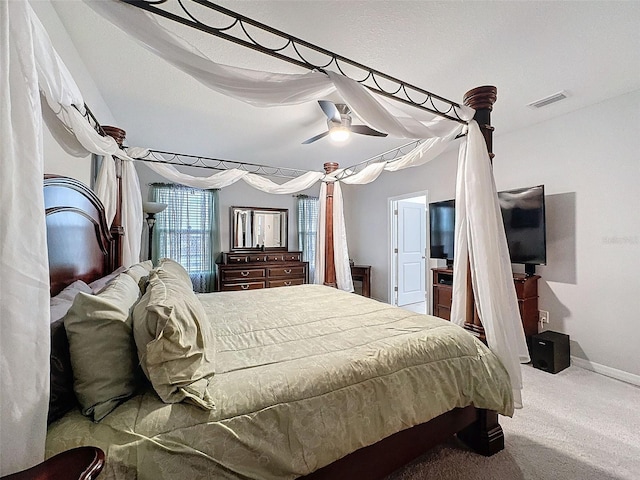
<point x="317" y="137"/>
<point x="330" y="110"/>
<point x="364" y="130"/>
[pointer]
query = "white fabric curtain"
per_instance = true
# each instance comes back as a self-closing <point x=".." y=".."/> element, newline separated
<point x="321" y="240"/>
<point x="65" y="103"/>
<point x="24" y="275"/>
<point x="106" y="189"/>
<point x="30" y="67"/>
<point x="266" y="89"/>
<point x="340" y="248"/>
<point x="480" y="240"/>
<point x="228" y="177"/>
<point x="132" y="215"/>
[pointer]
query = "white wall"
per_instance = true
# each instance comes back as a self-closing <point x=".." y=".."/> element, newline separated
<point x="588" y="161"/>
<point x="56" y="160"/>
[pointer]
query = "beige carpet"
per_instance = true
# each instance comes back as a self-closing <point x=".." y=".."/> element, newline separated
<point x="575" y="425"/>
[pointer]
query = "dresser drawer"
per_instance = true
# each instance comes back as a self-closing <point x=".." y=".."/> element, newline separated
<point x="229" y="287"/>
<point x="245" y="273"/>
<point x="287" y="271"/>
<point x="258" y="257"/>
<point x="233" y="259"/>
<point x="286" y="282"/>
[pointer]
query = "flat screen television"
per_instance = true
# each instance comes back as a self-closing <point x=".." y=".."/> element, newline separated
<point x="524" y="224"/>
<point x="442" y="224"/>
<point x="523" y="215"/>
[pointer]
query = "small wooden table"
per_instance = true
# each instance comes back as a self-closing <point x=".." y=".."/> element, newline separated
<point x="362" y="273"/>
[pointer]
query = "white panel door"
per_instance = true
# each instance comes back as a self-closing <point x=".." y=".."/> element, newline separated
<point x="412" y="241"/>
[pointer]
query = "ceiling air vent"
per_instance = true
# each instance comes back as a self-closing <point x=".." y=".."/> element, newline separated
<point x="543" y="102"/>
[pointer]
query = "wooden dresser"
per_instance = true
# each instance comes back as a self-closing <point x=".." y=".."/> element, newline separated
<point x="255" y="269"/>
<point x="526" y="291"/>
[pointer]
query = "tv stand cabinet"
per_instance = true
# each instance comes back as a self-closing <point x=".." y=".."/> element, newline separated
<point x="526" y="292"/>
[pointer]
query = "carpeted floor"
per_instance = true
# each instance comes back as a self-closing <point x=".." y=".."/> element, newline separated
<point x="575" y="425"/>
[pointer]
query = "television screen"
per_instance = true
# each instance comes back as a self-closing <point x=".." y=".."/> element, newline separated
<point x="523" y="215"/>
<point x="524" y="224"/>
<point x="442" y="229"/>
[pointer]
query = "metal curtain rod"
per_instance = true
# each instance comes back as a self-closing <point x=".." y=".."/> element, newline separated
<point x="185" y="160"/>
<point x="386" y="157"/>
<point x="180" y="159"/>
<point x="401" y="91"/>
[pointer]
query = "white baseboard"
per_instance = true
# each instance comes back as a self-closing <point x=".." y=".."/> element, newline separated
<point x="607" y="371"/>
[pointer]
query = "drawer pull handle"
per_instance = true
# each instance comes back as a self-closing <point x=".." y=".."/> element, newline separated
<point x="287" y="271"/>
<point x="287" y="284"/>
<point x="244" y="274"/>
<point x="244" y="287"/>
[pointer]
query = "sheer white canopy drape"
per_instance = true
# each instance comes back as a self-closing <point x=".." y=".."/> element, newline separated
<point x="64" y="117"/>
<point x="29" y="68"/>
<point x="24" y="278"/>
<point x="480" y="240"/>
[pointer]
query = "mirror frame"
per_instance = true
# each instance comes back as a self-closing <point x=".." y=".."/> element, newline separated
<point x="285" y="228"/>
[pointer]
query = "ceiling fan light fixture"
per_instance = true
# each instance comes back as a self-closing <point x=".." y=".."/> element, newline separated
<point x="339" y="134"/>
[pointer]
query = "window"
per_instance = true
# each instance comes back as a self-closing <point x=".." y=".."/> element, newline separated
<point x="187" y="231"/>
<point x="308" y="210"/>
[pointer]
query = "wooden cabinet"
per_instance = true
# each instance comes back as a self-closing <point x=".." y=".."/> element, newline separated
<point x="442" y="292"/>
<point x="251" y="270"/>
<point x="362" y="273"/>
<point x="526" y="291"/>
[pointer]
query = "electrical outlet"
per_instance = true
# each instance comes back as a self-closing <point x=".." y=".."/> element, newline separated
<point x="543" y="316"/>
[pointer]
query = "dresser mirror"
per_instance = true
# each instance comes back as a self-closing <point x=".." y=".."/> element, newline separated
<point x="254" y="228"/>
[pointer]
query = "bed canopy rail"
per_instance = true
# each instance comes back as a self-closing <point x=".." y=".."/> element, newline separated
<point x="386" y="157"/>
<point x="292" y="50"/>
<point x="209" y="163"/>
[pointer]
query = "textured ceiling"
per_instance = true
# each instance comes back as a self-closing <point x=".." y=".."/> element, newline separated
<point x="529" y="50"/>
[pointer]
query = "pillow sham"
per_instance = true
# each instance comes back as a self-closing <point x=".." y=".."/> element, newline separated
<point x="100" y="283"/>
<point x="139" y="270"/>
<point x="177" y="270"/>
<point x="175" y="341"/>
<point x="61" y="396"/>
<point x="101" y="346"/>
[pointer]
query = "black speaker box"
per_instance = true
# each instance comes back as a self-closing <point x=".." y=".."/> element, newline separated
<point x="550" y="351"/>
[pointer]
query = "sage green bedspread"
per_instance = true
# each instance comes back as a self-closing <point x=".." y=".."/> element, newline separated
<point x="304" y="375"/>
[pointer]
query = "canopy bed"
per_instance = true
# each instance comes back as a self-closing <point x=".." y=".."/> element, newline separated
<point x="119" y="244"/>
<point x="142" y="430"/>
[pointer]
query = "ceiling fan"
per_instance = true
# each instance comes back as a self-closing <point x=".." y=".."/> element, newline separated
<point x="339" y="123"/>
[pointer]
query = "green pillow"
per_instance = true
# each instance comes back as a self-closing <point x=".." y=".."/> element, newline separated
<point x="139" y="270"/>
<point x="177" y="270"/>
<point x="101" y="345"/>
<point x="175" y="341"/>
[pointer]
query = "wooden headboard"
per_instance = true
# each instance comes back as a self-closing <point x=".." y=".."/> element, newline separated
<point x="78" y="239"/>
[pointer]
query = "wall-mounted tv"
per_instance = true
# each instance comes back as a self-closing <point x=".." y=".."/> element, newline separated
<point x="523" y="214"/>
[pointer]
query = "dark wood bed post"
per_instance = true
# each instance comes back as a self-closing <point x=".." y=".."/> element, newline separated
<point x="329" y="261"/>
<point x="117" y="230"/>
<point x="485" y="435"/>
<point x="481" y="99"/>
